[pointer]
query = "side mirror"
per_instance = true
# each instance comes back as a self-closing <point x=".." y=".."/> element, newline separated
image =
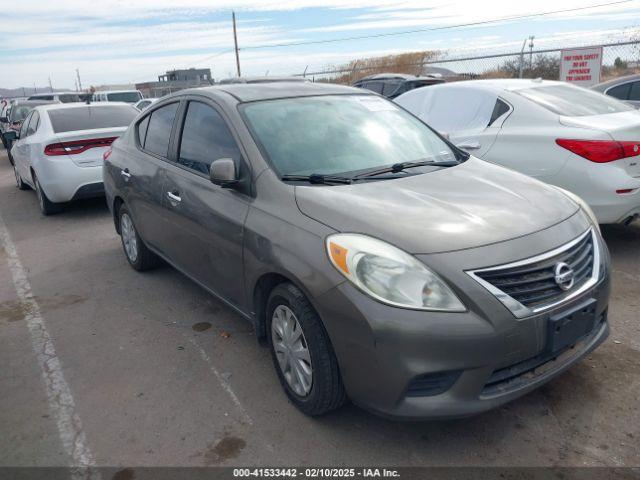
<point x="223" y="173"/>
<point x="10" y="135"/>
<point x="4" y="120"/>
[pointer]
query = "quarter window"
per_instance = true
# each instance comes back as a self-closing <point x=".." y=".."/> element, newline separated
<point x="499" y="109"/>
<point x="159" y="129"/>
<point x="24" y="126"/>
<point x="205" y="138"/>
<point x="142" y="129"/>
<point x="33" y="123"/>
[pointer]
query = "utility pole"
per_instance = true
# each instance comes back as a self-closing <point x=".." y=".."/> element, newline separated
<point x="521" y="69"/>
<point x="35" y="89"/>
<point x="531" y="53"/>
<point x="50" y="86"/>
<point x="79" y="81"/>
<point x="235" y="41"/>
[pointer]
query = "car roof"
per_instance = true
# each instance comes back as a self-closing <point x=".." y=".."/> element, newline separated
<point x="402" y="76"/>
<point x="251" y="92"/>
<point x="35" y="103"/>
<point x="616" y="81"/>
<point x="55" y="93"/>
<point x="267" y="79"/>
<point x="115" y="91"/>
<point x="67" y="106"/>
<point x="500" y="84"/>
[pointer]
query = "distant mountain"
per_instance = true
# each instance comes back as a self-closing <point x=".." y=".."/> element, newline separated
<point x="26" y="91"/>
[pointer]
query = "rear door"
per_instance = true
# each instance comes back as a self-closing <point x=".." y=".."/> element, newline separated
<point x="205" y="221"/>
<point x="142" y="174"/>
<point x="18" y="147"/>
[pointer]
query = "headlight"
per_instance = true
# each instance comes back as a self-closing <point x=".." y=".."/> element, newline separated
<point x="583" y="205"/>
<point x="390" y="275"/>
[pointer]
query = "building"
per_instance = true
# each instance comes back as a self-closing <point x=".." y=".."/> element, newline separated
<point x="174" y="80"/>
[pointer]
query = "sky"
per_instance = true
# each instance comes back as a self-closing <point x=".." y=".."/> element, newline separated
<point x="129" y="41"/>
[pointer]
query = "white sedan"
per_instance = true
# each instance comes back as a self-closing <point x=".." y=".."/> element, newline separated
<point x="59" y="149"/>
<point x="574" y="138"/>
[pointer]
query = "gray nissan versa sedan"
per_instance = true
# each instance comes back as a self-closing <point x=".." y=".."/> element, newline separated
<point x="378" y="261"/>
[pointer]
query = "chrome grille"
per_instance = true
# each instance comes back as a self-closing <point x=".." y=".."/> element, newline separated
<point x="529" y="286"/>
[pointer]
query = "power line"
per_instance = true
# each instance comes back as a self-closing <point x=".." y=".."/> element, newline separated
<point x="433" y="29"/>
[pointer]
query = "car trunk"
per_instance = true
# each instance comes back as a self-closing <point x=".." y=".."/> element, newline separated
<point x="86" y="147"/>
<point x="622" y="127"/>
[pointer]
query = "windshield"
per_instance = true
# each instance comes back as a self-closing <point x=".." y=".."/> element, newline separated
<point x="340" y="133"/>
<point x="572" y="101"/>
<point x="130" y="97"/>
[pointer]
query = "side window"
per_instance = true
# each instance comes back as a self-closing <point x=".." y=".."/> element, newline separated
<point x="620" y="91"/>
<point x="33" y="123"/>
<point x="24" y="126"/>
<point x="634" y="94"/>
<point x="142" y="129"/>
<point x="373" y="86"/>
<point x="205" y="138"/>
<point x="499" y="109"/>
<point x="389" y="87"/>
<point x="159" y="129"/>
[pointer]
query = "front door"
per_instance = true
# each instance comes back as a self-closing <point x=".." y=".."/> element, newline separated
<point x="206" y="220"/>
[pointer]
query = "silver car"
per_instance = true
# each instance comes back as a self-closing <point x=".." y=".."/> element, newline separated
<point x="377" y="261"/>
<point x="625" y="88"/>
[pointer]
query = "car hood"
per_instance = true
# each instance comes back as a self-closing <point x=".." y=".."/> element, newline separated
<point x="466" y="206"/>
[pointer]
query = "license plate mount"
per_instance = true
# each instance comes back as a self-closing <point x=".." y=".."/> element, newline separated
<point x="566" y="328"/>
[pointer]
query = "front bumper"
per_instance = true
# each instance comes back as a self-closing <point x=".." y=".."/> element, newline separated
<point x="384" y="352"/>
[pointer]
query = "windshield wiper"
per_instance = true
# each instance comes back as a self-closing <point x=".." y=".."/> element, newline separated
<point x="399" y="167"/>
<point x="317" y="178"/>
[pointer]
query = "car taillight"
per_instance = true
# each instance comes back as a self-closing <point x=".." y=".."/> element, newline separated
<point x="600" y="151"/>
<point x="77" y="146"/>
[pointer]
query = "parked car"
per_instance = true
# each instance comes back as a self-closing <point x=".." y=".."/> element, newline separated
<point x="565" y="135"/>
<point x="626" y="89"/>
<point x="393" y="84"/>
<point x="265" y="79"/>
<point x="58" y="151"/>
<point x="378" y="261"/>
<point x="62" y="97"/>
<point x="144" y="103"/>
<point x="128" y="96"/>
<point x="13" y="123"/>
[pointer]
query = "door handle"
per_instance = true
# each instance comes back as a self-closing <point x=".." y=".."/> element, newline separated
<point x="174" y="197"/>
<point x="125" y="173"/>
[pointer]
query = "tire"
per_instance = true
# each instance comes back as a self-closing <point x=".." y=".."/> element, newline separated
<point x="325" y="392"/>
<point x="136" y="252"/>
<point x="10" y="156"/>
<point x="47" y="207"/>
<point x="19" y="183"/>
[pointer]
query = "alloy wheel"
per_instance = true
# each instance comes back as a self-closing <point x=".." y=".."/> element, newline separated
<point x="129" y="237"/>
<point x="291" y="349"/>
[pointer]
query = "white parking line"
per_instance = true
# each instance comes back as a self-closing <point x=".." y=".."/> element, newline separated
<point x="59" y="395"/>
<point x="225" y="385"/>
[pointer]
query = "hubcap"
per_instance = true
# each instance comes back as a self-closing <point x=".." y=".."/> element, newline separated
<point x="291" y="350"/>
<point x="129" y="237"/>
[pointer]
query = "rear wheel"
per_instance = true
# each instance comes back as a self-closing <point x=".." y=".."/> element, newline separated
<point x="302" y="353"/>
<point x="19" y="183"/>
<point x="137" y="253"/>
<point x="47" y="207"/>
<point x="11" y="161"/>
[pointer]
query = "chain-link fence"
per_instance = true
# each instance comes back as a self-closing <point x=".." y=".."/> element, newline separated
<point x="621" y="58"/>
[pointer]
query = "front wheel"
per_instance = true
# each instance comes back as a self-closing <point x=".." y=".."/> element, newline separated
<point x="137" y="253"/>
<point x="302" y="353"/>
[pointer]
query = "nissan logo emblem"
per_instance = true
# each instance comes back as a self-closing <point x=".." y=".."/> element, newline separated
<point x="563" y="275"/>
